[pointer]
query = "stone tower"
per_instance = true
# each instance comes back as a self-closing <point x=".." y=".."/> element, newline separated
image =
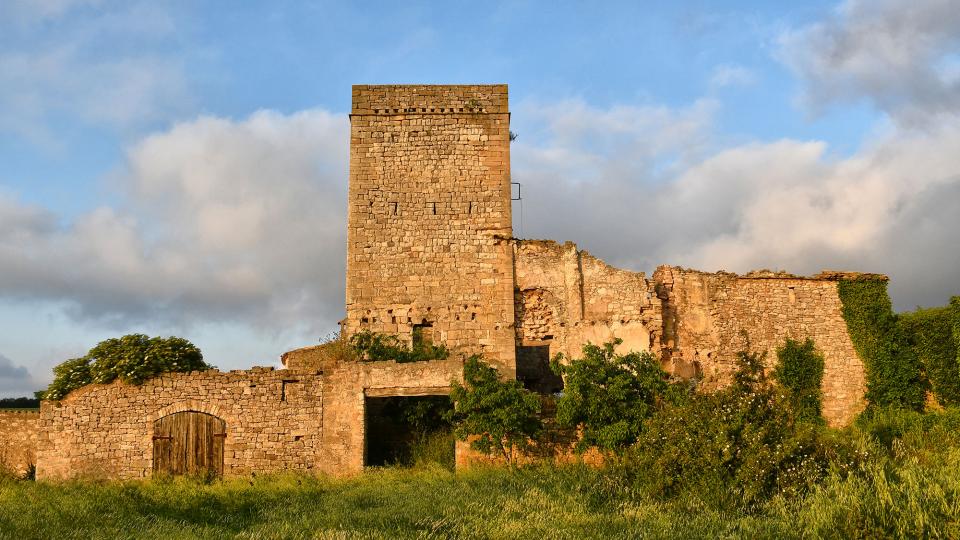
<point x="429" y="219"/>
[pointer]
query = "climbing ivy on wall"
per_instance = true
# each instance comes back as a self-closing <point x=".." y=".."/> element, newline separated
<point x="893" y="371"/>
<point x="799" y="370"/>
<point x="931" y="334"/>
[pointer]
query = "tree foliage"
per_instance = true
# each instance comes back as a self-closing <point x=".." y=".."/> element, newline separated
<point x="608" y="396"/>
<point x="502" y="416"/>
<point x="893" y="372"/>
<point x="376" y="347"/>
<point x="799" y="371"/>
<point x="734" y="448"/>
<point x="133" y="358"/>
<point x="930" y="334"/>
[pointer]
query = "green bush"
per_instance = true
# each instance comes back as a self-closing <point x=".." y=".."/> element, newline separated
<point x="375" y="347"/>
<point x="501" y="415"/>
<point x="608" y="396"/>
<point x="799" y="371"/>
<point x="892" y="369"/>
<point x="733" y="449"/>
<point x="930" y="334"/>
<point x="132" y="358"/>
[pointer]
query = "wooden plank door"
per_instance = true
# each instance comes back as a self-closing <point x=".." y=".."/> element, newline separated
<point x="188" y="442"/>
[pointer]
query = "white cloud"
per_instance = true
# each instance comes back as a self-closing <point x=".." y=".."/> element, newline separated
<point x="223" y="220"/>
<point x="895" y="54"/>
<point x="731" y="75"/>
<point x="893" y="207"/>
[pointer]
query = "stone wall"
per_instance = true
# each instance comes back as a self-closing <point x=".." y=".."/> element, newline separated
<point x="273" y="423"/>
<point x="19" y="431"/>
<point x="276" y="420"/>
<point x="709" y="317"/>
<point x="429" y="216"/>
<point x="565" y="297"/>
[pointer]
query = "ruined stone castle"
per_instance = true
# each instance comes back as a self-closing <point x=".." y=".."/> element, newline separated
<point x="431" y="256"/>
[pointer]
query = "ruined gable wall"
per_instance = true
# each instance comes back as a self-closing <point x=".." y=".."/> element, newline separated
<point x="429" y="215"/>
<point x="106" y="430"/>
<point x="706" y="314"/>
<point x="19" y="431"/>
<point x="568" y="297"/>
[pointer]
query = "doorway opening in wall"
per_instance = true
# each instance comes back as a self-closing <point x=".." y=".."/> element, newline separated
<point x="533" y="369"/>
<point x="408" y="431"/>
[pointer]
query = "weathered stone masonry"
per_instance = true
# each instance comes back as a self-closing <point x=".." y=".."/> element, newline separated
<point x="708" y="318"/>
<point x="19" y="431"/>
<point x="276" y="420"/>
<point x="431" y="253"/>
<point x="429" y="214"/>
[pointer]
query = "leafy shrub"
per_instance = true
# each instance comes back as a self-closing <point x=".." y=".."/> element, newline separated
<point x="608" y="396"/>
<point x="930" y="334"/>
<point x="376" y="347"/>
<point x="501" y="415"/>
<point x="734" y="448"/>
<point x="799" y="371"/>
<point x="133" y="358"/>
<point x="892" y="369"/>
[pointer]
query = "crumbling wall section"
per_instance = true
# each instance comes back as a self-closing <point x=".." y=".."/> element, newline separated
<point x="710" y="317"/>
<point x="429" y="217"/>
<point x="19" y="431"/>
<point x="566" y="297"/>
<point x="273" y="423"/>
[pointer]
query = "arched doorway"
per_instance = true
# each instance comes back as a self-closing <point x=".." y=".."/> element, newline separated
<point x="188" y="442"/>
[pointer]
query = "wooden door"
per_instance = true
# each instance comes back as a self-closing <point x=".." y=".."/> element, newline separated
<point x="188" y="442"/>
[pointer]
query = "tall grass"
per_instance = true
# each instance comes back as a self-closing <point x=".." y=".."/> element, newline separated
<point x="906" y="485"/>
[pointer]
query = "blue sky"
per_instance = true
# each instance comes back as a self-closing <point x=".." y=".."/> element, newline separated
<point x="179" y="167"/>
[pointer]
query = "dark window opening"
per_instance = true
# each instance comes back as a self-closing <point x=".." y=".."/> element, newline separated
<point x="422" y="335"/>
<point x="533" y="370"/>
<point x="401" y="430"/>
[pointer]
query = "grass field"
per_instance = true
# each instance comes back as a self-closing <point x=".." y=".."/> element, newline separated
<point x="909" y="487"/>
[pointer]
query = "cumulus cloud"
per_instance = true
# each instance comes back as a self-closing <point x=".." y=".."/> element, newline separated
<point x="12" y="376"/>
<point x="892" y="207"/>
<point x="901" y="56"/>
<point x="222" y="220"/>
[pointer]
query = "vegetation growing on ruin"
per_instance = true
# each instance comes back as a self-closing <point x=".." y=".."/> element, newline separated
<point x="133" y="358"/>
<point x="799" y="371"/>
<point x="930" y="333"/>
<point x="498" y="416"/>
<point x="735" y="448"/>
<point x="608" y="396"/>
<point x="893" y="372"/>
<point x="377" y="347"/>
